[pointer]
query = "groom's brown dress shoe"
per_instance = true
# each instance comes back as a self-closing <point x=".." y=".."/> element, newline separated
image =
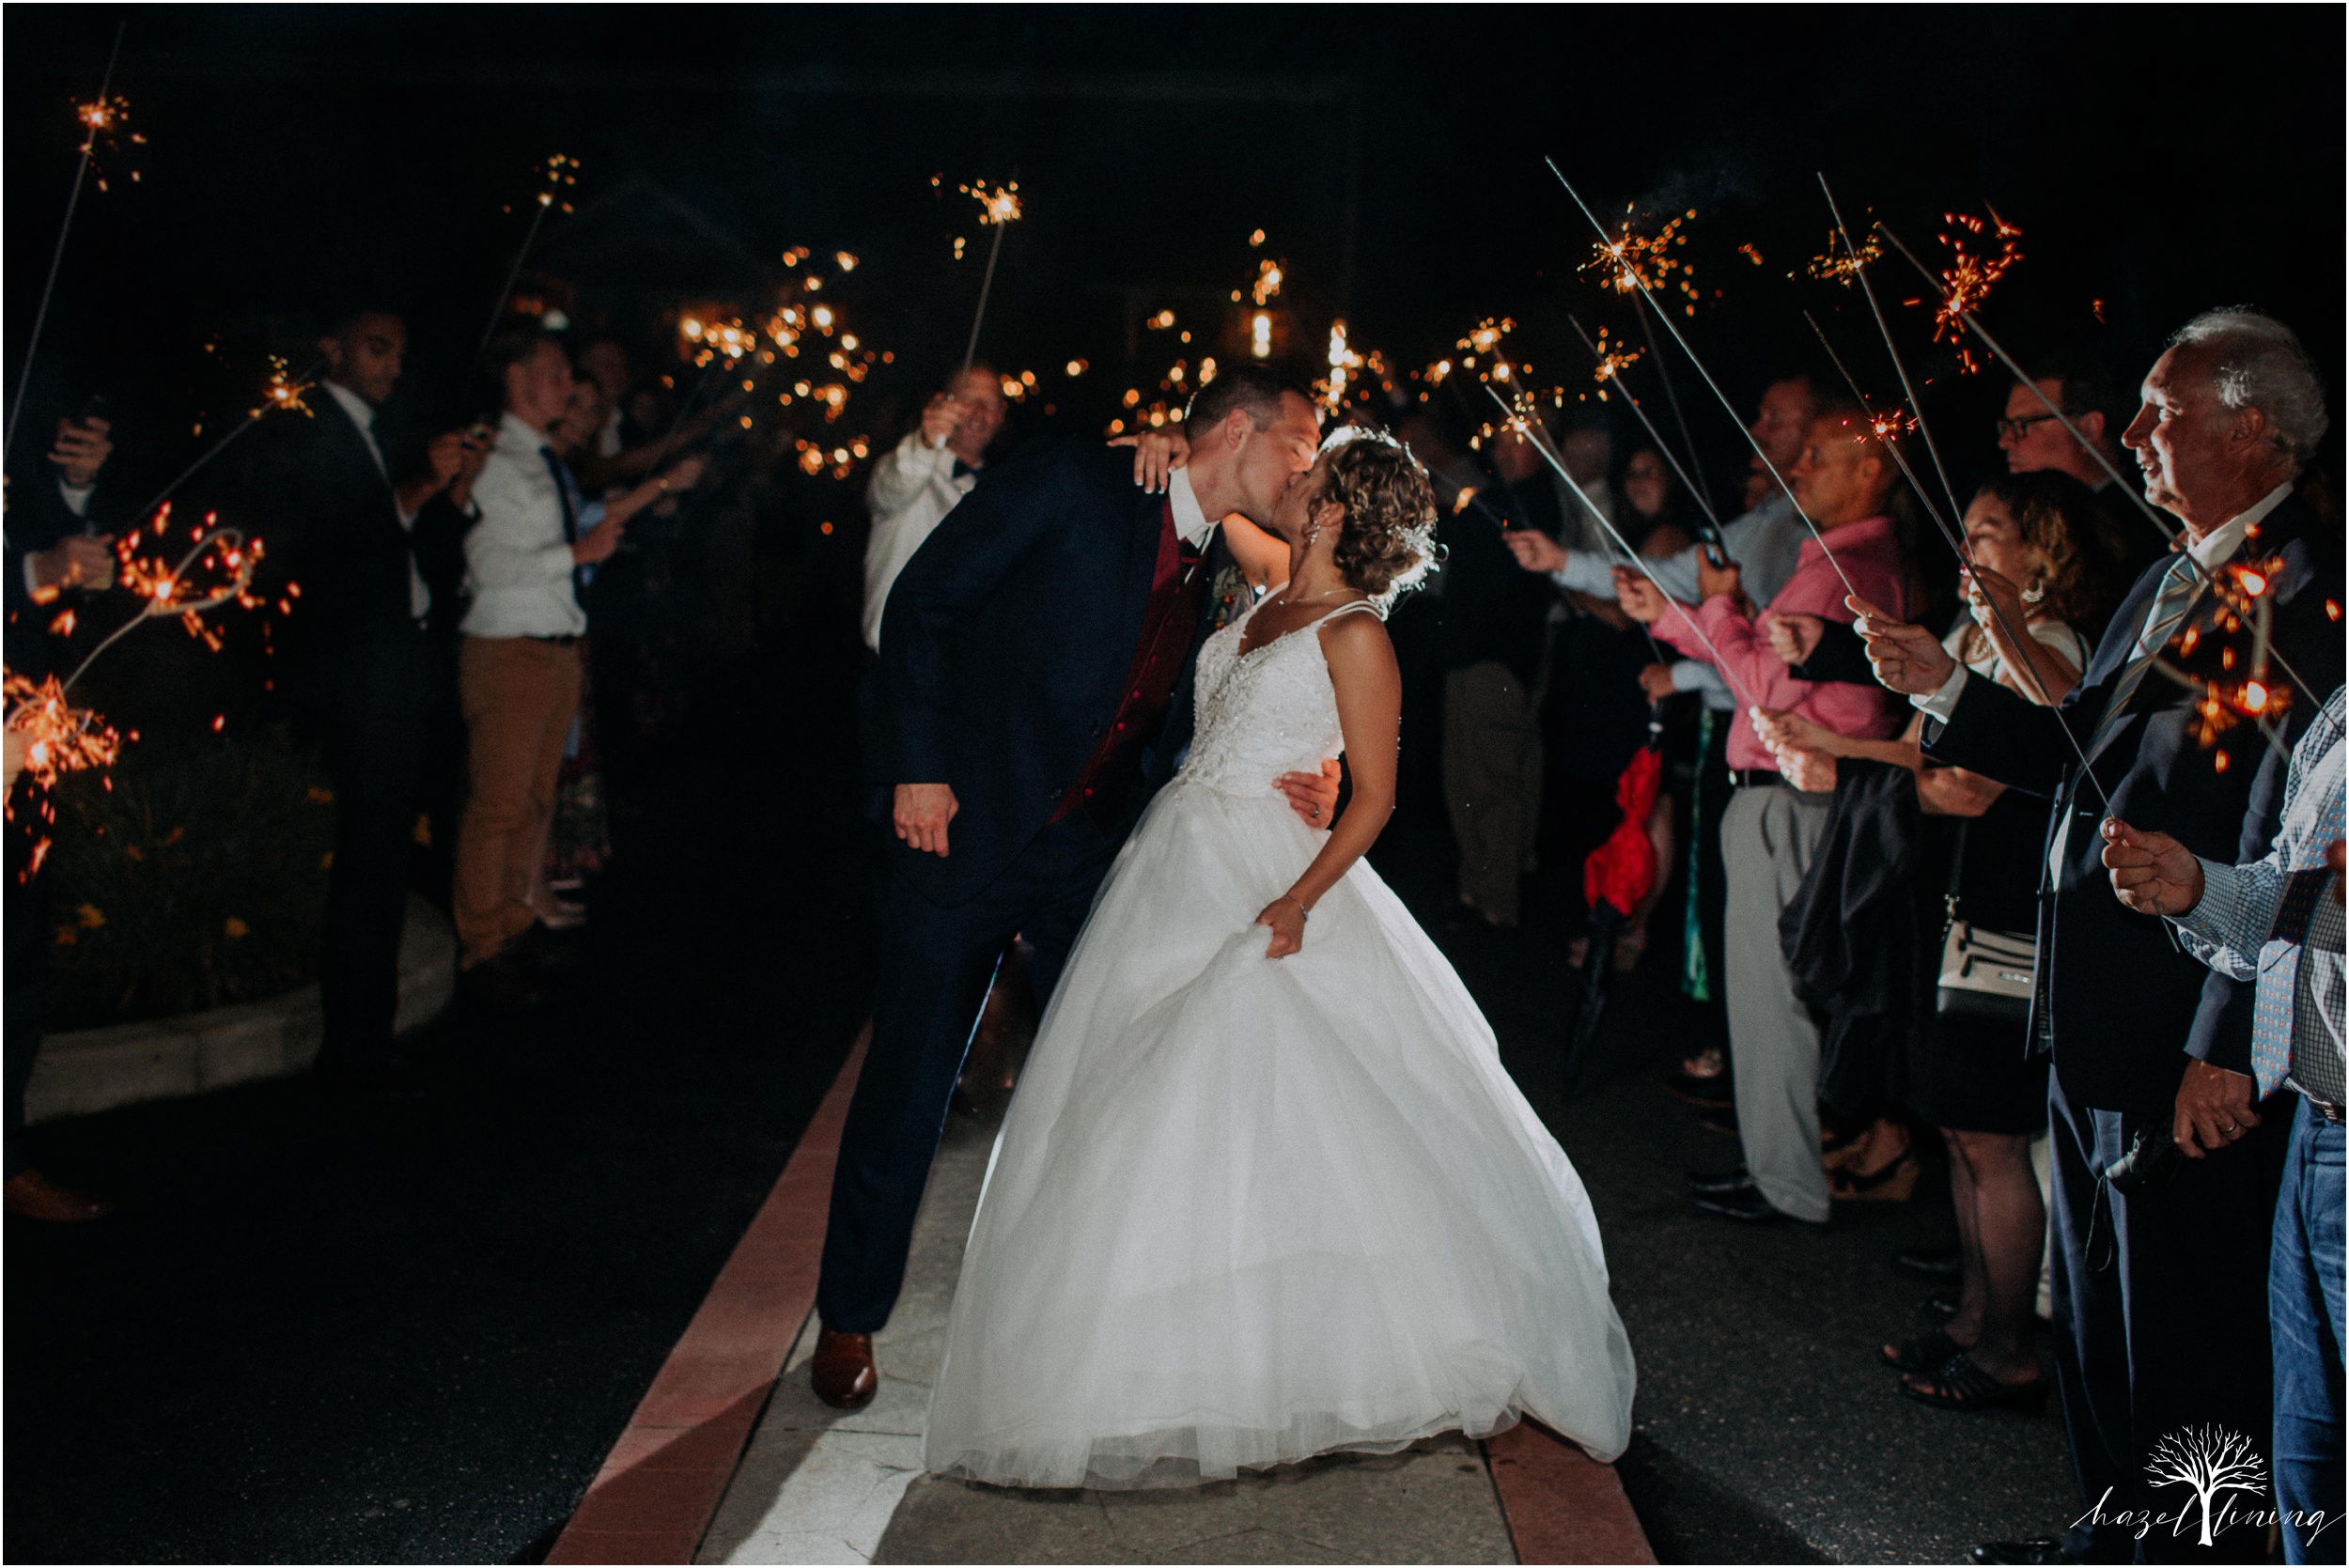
<point x="843" y="1369"/>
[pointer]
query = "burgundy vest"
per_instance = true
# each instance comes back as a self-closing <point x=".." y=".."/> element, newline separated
<point x="1108" y="778"/>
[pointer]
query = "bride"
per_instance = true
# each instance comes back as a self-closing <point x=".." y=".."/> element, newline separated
<point x="1265" y="1191"/>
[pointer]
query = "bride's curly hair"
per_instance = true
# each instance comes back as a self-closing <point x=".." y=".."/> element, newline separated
<point x="1387" y="541"/>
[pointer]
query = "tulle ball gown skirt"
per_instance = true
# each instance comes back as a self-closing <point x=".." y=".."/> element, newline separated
<point x="1245" y="1211"/>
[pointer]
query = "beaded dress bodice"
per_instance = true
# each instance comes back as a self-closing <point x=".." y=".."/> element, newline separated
<point x="1264" y="713"/>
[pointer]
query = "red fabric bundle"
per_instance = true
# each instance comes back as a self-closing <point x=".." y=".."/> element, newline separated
<point x="1623" y="869"/>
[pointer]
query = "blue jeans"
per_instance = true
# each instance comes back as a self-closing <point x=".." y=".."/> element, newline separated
<point x="2303" y="1304"/>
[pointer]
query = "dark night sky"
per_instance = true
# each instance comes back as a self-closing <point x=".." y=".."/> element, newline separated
<point x="2159" y="161"/>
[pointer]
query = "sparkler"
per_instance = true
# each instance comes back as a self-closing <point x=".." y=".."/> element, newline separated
<point x="280" y="391"/>
<point x="2134" y="491"/>
<point x="1672" y="326"/>
<point x="1611" y="363"/>
<point x="1530" y="428"/>
<point x="1629" y="260"/>
<point x="1858" y="266"/>
<point x="166" y="591"/>
<point x="999" y="208"/>
<point x="1889" y="427"/>
<point x="1969" y="277"/>
<point x="105" y="109"/>
<point x="64" y="738"/>
<point x="561" y="172"/>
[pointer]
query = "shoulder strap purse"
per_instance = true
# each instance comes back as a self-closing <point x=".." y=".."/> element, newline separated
<point x="1985" y="974"/>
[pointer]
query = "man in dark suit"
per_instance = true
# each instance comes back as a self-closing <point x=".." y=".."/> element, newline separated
<point x="2159" y="1289"/>
<point x="363" y="671"/>
<point x="51" y="554"/>
<point x="1036" y="658"/>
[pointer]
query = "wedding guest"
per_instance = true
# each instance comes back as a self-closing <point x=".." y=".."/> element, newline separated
<point x="1975" y="1078"/>
<point x="917" y="482"/>
<point x="1843" y="479"/>
<point x="363" y="673"/>
<point x="49" y="557"/>
<point x="2035" y="441"/>
<point x="1605" y="711"/>
<point x="519" y="673"/>
<point x="2276" y="923"/>
<point x="1495" y="636"/>
<point x="2161" y="1323"/>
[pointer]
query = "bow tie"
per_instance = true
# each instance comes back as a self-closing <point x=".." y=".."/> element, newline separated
<point x="962" y="468"/>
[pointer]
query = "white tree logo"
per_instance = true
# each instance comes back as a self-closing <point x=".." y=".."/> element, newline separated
<point x="2211" y="1460"/>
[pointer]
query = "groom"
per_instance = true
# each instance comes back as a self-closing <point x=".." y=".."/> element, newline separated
<point x="1036" y="656"/>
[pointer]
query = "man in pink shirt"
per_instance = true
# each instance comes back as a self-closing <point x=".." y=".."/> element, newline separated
<point x="1842" y="481"/>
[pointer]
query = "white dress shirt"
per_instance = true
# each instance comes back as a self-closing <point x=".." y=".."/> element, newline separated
<point x="362" y="415"/>
<point x="518" y="565"/>
<point x="912" y="489"/>
<point x="1191" y="523"/>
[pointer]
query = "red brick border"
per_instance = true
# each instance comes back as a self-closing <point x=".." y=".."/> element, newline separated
<point x="1562" y="1506"/>
<point x="659" y="1486"/>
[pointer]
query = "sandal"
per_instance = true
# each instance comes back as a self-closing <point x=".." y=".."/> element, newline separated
<point x="1891" y="1182"/>
<point x="1925" y="1354"/>
<point x="1962" y="1385"/>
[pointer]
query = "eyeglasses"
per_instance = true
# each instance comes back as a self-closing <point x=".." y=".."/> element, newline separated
<point x="2016" y="429"/>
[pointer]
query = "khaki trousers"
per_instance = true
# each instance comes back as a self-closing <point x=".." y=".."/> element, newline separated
<point x="1768" y="834"/>
<point x="1492" y="783"/>
<point x="520" y="696"/>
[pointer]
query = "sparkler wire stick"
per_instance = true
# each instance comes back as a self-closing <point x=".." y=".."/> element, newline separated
<point x="1704" y="501"/>
<point x="222" y="446"/>
<point x="497" y="311"/>
<point x="1528" y="426"/>
<point x="2134" y="492"/>
<point x="1916" y="404"/>
<point x="1633" y="273"/>
<point x="57" y="257"/>
<point x="2028" y="663"/>
<point x="970" y="352"/>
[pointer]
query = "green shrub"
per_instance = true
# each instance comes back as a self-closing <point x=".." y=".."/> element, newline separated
<point x="197" y="880"/>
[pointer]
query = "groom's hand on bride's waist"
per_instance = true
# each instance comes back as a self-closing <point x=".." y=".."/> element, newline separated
<point x="1313" y="796"/>
<point x="920" y="813"/>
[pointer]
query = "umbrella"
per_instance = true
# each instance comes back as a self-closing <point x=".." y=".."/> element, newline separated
<point x="1615" y="876"/>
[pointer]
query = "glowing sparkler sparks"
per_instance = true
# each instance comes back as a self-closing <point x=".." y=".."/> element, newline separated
<point x="63" y="738"/>
<point x="102" y="119"/>
<point x="1834" y="265"/>
<point x="283" y="391"/>
<point x="1969" y="275"/>
<point x="1891" y="425"/>
<point x="727" y="340"/>
<point x="561" y="172"/>
<point x="1631" y="259"/>
<point x="1613" y="359"/>
<point x="998" y="206"/>
<point x="1267" y="285"/>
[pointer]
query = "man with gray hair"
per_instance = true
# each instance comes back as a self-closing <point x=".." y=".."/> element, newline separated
<point x="2160" y="1273"/>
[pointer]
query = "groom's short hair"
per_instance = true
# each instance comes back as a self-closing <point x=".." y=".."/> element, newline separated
<point x="1257" y="388"/>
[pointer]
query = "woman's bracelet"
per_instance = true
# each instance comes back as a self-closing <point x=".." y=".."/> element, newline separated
<point x="1302" y="912"/>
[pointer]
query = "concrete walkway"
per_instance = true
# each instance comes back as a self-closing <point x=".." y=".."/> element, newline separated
<point x="816" y="1485"/>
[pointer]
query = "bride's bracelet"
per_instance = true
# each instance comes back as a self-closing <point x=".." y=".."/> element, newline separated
<point x="1302" y="912"/>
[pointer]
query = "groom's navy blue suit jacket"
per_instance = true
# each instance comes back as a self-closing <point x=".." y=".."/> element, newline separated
<point x="1003" y="645"/>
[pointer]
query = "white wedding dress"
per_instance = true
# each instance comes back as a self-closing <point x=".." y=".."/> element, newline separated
<point x="1246" y="1210"/>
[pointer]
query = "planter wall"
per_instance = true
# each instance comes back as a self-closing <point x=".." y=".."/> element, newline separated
<point x="91" y="1070"/>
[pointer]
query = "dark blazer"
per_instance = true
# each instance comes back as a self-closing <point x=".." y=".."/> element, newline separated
<point x="1003" y="645"/>
<point x="2123" y="1005"/>
<point x="331" y="524"/>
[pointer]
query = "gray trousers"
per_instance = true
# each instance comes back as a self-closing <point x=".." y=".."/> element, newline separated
<point x="1492" y="783"/>
<point x="1769" y="835"/>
